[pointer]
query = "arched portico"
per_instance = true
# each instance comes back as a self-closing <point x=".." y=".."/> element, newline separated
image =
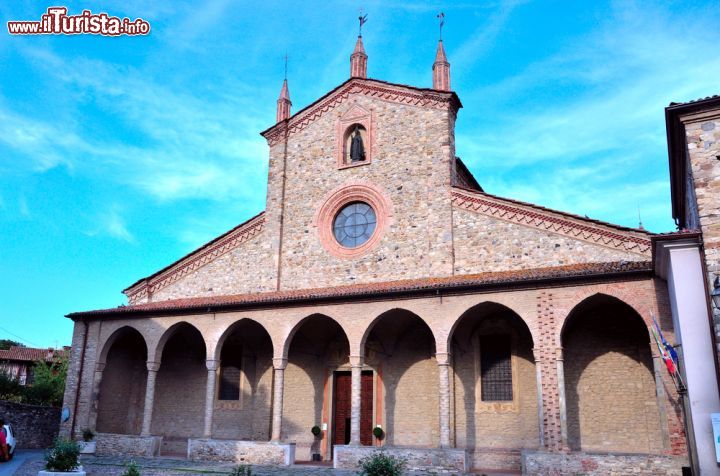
<point x="317" y="348"/>
<point x="400" y="347"/>
<point x="120" y="379"/>
<point x="180" y="387"/>
<point x="610" y="379"/>
<point x="495" y="383"/>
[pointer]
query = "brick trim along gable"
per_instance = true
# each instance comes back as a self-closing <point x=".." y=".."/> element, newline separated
<point x="198" y="258"/>
<point x="592" y="231"/>
<point x="397" y="93"/>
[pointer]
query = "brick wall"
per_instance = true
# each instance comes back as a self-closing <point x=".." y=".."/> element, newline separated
<point x="35" y="426"/>
<point x="556" y="464"/>
<point x="609" y="381"/>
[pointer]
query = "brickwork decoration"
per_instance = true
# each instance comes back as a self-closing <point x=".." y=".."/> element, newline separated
<point x="542" y="219"/>
<point x="143" y="290"/>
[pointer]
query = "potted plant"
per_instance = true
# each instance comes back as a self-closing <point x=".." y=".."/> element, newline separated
<point x="317" y="433"/>
<point x="62" y="458"/>
<point x="87" y="447"/>
<point x="378" y="432"/>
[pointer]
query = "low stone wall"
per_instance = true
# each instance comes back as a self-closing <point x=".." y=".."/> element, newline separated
<point x="109" y="444"/>
<point x="589" y="464"/>
<point x="237" y="451"/>
<point x="35" y="426"/>
<point x="495" y="458"/>
<point x="418" y="459"/>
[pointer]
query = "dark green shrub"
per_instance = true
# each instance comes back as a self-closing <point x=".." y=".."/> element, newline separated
<point x="131" y="469"/>
<point x="378" y="433"/>
<point x="10" y="388"/>
<point x="241" y="470"/>
<point x="316" y="430"/>
<point x="380" y="464"/>
<point x="63" y="456"/>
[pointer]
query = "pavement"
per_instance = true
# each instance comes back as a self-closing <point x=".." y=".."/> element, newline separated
<point x="29" y="462"/>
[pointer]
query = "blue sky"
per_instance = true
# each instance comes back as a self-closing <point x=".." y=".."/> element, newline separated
<point x="119" y="155"/>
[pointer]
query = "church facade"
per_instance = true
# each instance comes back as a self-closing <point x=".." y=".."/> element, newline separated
<point x="385" y="298"/>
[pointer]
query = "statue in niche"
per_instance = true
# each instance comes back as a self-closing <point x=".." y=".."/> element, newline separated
<point x="357" y="149"/>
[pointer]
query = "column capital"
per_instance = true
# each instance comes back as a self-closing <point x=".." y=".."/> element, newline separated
<point x="100" y="366"/>
<point x="279" y="363"/>
<point x="212" y="365"/>
<point x="442" y="358"/>
<point x="356" y="361"/>
<point x="153" y="366"/>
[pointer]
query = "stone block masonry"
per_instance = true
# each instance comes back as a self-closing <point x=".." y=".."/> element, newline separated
<point x="109" y="444"/>
<point x="588" y="464"/>
<point x="437" y="460"/>
<point x="35" y="426"/>
<point x="246" y="452"/>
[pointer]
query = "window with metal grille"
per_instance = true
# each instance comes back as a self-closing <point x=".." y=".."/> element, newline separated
<point x="230" y="367"/>
<point x="495" y="368"/>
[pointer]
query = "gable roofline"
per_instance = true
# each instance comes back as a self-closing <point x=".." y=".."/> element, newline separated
<point x="422" y="287"/>
<point x="384" y="89"/>
<point x="677" y="152"/>
<point x="212" y="248"/>
<point x="634" y="240"/>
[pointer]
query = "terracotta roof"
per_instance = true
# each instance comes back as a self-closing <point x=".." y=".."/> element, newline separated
<point x="30" y="354"/>
<point x="515" y="278"/>
<point x="693" y="101"/>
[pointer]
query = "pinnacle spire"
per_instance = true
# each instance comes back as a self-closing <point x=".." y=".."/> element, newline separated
<point x="283" y="103"/>
<point x="441" y="69"/>
<point x="358" y="60"/>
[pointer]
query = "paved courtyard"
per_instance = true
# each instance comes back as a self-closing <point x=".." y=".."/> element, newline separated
<point x="115" y="466"/>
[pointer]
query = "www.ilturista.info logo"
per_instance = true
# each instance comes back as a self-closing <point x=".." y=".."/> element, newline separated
<point x="57" y="22"/>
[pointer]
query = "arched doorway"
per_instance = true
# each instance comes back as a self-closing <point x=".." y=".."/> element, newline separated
<point x="401" y="347"/>
<point x="609" y="379"/>
<point x="121" y="399"/>
<point x="495" y="385"/>
<point x="318" y="349"/>
<point x="244" y="385"/>
<point x="179" y="409"/>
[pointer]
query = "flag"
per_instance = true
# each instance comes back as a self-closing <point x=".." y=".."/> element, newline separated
<point x="670" y="349"/>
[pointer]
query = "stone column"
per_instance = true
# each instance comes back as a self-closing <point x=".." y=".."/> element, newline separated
<point x="443" y="361"/>
<point x="152" y="368"/>
<point x="278" y="389"/>
<point x="356" y="363"/>
<point x="539" y="389"/>
<point x="212" y="366"/>
<point x="97" y="380"/>
<point x="561" y="397"/>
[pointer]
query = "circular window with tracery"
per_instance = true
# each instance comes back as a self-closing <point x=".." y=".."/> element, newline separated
<point x="354" y="224"/>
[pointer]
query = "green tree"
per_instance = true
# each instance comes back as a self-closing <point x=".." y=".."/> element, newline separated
<point x="5" y="344"/>
<point x="49" y="385"/>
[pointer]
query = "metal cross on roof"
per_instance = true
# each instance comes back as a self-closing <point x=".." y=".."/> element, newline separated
<point x="362" y="18"/>
<point x="441" y="16"/>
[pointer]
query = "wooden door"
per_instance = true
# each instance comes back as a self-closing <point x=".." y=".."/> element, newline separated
<point x="343" y="408"/>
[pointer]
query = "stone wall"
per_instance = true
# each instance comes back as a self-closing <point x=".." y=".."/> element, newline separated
<point x="703" y="205"/>
<point x="245" y="452"/>
<point x="35" y="426"/>
<point x="431" y="460"/>
<point x="483" y="244"/>
<point x="588" y="464"/>
<point x="109" y="444"/>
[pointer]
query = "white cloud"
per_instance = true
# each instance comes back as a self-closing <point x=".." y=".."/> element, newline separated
<point x="110" y="222"/>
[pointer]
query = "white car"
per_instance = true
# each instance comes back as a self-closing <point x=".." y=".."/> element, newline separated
<point x="10" y="438"/>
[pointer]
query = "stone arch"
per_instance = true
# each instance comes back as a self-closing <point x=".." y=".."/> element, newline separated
<point x="215" y="353"/>
<point x="284" y="346"/>
<point x="368" y="329"/>
<point x="102" y="356"/>
<point x="607" y="357"/>
<point x="121" y="390"/>
<point x="494" y="380"/>
<point x="643" y="311"/>
<point x="158" y="348"/>
<point x="531" y="328"/>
